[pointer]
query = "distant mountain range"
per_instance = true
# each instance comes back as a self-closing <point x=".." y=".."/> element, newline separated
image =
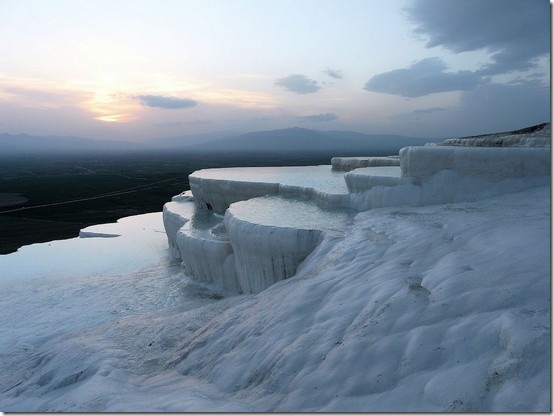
<point x="312" y="141"/>
<point x="272" y="141"/>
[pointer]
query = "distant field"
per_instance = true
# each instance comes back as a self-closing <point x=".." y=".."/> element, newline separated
<point x="49" y="197"/>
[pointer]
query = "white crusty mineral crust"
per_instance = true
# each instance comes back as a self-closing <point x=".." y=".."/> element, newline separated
<point x="363" y="179"/>
<point x="489" y="163"/>
<point x="271" y="236"/>
<point x="347" y="164"/>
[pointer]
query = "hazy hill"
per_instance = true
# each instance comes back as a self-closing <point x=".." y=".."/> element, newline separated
<point x="312" y="141"/>
<point x="187" y="140"/>
<point x="24" y="143"/>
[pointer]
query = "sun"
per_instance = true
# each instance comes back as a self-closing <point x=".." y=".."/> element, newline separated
<point x="105" y="99"/>
<point x="113" y="118"/>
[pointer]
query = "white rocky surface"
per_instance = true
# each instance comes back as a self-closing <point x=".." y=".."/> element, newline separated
<point x="491" y="164"/>
<point x="363" y="179"/>
<point x="535" y="136"/>
<point x="268" y="253"/>
<point x="430" y="309"/>
<point x="206" y="252"/>
<point x="271" y="236"/>
<point x="216" y="189"/>
<point x="433" y="297"/>
<point x="176" y="214"/>
<point x="347" y="164"/>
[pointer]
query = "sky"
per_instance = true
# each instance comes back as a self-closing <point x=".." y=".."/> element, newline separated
<point x="135" y="70"/>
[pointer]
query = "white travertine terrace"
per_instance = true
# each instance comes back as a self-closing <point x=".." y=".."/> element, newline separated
<point x="274" y="217"/>
<point x="206" y="252"/>
<point x="271" y="236"/>
<point x="176" y="214"/>
<point x="216" y="189"/>
<point x="489" y="163"/>
<point x="346" y="164"/>
<point x="363" y="179"/>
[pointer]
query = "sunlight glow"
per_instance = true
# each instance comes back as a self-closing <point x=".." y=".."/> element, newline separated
<point x="114" y="118"/>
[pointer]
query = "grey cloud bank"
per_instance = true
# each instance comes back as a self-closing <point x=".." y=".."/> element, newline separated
<point x="160" y="101"/>
<point x="422" y="78"/>
<point x="487" y="108"/>
<point x="514" y="32"/>
<point x="298" y="83"/>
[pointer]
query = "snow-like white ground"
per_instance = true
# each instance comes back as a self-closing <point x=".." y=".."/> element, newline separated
<point x="437" y="308"/>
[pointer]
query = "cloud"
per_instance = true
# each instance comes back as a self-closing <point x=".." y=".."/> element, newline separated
<point x="318" y="117"/>
<point x="334" y="73"/>
<point x="424" y="77"/>
<point x="515" y="32"/>
<point x="506" y="106"/>
<point x="487" y="108"/>
<point x="299" y="84"/>
<point x="160" y="101"/>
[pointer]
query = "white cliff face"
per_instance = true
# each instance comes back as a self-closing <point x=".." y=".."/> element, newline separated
<point x="491" y="164"/>
<point x="271" y="237"/>
<point x="206" y="252"/>
<point x="176" y="214"/>
<point x="363" y="179"/>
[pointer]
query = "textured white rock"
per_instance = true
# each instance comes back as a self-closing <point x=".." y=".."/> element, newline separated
<point x="217" y="189"/>
<point x="271" y="236"/>
<point x="176" y="214"/>
<point x="207" y="254"/>
<point x="488" y="163"/>
<point x="363" y="179"/>
<point x="347" y="164"/>
<point x="428" y="309"/>
<point x="445" y="186"/>
<point x="539" y="136"/>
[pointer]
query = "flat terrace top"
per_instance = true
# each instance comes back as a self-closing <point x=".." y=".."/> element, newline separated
<point x="321" y="178"/>
<point x="289" y="213"/>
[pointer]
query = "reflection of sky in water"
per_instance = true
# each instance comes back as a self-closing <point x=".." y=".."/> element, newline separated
<point x="322" y="178"/>
<point x="289" y="213"/>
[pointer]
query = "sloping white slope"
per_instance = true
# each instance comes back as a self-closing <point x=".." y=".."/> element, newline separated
<point x="436" y="308"/>
<point x="427" y="309"/>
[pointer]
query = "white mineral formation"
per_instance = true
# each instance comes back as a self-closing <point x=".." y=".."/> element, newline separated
<point x="275" y="217"/>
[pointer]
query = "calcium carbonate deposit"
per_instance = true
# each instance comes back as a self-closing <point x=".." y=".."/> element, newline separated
<point x="423" y="287"/>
